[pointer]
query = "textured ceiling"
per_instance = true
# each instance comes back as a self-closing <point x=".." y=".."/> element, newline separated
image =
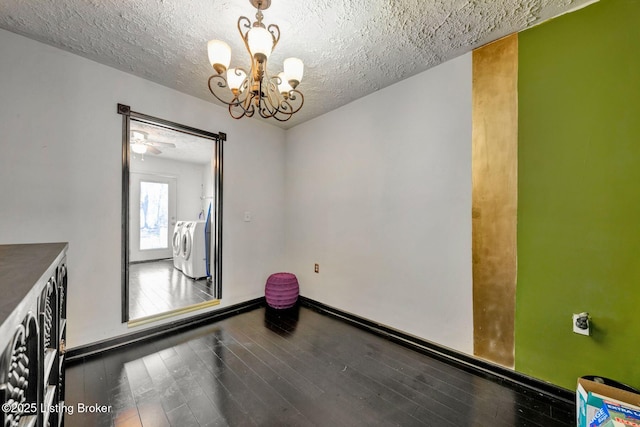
<point x="187" y="148"/>
<point x="350" y="48"/>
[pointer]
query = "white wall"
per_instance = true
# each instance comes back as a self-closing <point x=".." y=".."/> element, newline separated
<point x="60" y="170"/>
<point x="379" y="194"/>
<point x="207" y="193"/>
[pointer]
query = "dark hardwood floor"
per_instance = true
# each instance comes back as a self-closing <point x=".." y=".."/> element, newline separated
<point x="156" y="287"/>
<point x="293" y="368"/>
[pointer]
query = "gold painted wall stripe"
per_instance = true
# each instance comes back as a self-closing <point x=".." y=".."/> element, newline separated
<point x="495" y="201"/>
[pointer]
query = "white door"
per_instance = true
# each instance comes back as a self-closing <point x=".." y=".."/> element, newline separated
<point x="152" y="216"/>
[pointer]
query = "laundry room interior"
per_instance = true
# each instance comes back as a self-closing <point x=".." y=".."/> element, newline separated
<point x="170" y="201"/>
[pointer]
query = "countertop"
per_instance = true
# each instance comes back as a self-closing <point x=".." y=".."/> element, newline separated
<point x="21" y="267"/>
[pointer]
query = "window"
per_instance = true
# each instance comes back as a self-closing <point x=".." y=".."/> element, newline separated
<point x="154" y="215"/>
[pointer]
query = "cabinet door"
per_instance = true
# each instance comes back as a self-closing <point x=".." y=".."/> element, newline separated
<point x="62" y="332"/>
<point x="49" y="340"/>
<point x="19" y="376"/>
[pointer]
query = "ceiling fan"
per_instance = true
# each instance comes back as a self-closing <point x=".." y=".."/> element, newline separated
<point x="140" y="143"/>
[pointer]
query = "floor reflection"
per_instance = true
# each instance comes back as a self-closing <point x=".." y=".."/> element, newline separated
<point x="282" y="321"/>
<point x="156" y="287"/>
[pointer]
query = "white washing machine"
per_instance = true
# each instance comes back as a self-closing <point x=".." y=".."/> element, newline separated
<point x="193" y="250"/>
<point x="176" y="243"/>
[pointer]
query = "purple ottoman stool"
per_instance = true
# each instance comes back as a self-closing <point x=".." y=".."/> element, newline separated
<point x="281" y="290"/>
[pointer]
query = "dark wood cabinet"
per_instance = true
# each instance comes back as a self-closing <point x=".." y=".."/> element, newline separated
<point x="33" y="290"/>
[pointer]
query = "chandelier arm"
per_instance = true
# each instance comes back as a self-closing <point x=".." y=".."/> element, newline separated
<point x="293" y="96"/>
<point x="267" y="111"/>
<point x="283" y="114"/>
<point x="233" y="108"/>
<point x="266" y="108"/>
<point x="222" y="83"/>
<point x="238" y="105"/>
<point x="273" y="97"/>
<point x="245" y="85"/>
<point x="247" y="25"/>
<point x="244" y="71"/>
<point x="289" y="108"/>
<point x="281" y="111"/>
<point x="282" y="120"/>
<point x="245" y="35"/>
<point x="284" y="105"/>
<point x="249" y="105"/>
<point x="239" y="109"/>
<point x="276" y="106"/>
<point x="275" y="33"/>
<point x="243" y="108"/>
<point x="242" y="90"/>
<point x="263" y="114"/>
<point x="286" y="115"/>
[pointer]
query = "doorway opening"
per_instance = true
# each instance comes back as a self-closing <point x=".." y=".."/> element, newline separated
<point x="172" y="218"/>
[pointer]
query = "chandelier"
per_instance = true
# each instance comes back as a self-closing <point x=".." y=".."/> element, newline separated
<point x="255" y="90"/>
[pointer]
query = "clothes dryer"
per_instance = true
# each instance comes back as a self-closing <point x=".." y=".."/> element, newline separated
<point x="193" y="250"/>
<point x="176" y="242"/>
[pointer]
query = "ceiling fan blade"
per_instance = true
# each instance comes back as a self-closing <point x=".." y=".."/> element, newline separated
<point x="161" y="144"/>
<point x="153" y="150"/>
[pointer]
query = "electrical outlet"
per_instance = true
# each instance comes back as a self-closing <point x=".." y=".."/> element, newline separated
<point x="316" y="268"/>
<point x="581" y="324"/>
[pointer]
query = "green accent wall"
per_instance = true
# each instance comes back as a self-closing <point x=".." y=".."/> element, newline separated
<point x="579" y="195"/>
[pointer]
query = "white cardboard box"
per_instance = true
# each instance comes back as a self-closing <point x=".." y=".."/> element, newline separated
<point x="590" y="396"/>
